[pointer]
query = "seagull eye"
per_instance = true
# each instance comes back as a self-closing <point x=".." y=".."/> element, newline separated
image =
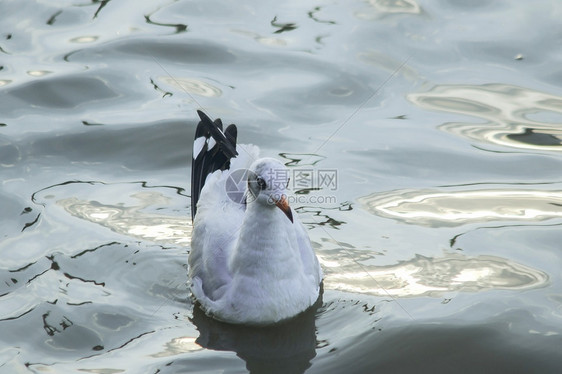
<point x="261" y="183"/>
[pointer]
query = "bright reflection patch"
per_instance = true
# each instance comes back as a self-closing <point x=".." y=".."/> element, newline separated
<point x="432" y="276"/>
<point x="265" y="40"/>
<point x="515" y="117"/>
<point x="38" y="73"/>
<point x="178" y="346"/>
<point x="130" y="220"/>
<point x="452" y="208"/>
<point x="382" y="7"/>
<point x="85" y="39"/>
<point x="153" y="213"/>
<point x="193" y="86"/>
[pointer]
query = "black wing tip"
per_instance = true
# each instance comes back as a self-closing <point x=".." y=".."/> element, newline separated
<point x="207" y="162"/>
<point x="203" y="116"/>
<point x="231" y="134"/>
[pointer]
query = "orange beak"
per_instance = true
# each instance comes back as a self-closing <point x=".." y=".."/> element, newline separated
<point x="285" y="208"/>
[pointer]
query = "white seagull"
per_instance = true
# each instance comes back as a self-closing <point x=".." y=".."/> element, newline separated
<point x="251" y="261"/>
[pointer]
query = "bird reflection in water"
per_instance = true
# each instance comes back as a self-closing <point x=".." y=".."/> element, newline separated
<point x="286" y="347"/>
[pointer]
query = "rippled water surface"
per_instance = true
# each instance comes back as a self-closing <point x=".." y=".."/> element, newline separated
<point x="440" y="238"/>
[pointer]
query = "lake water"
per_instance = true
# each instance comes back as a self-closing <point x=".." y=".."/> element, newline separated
<point x="432" y="131"/>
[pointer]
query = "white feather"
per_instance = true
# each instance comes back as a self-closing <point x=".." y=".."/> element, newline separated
<point x="212" y="143"/>
<point x="198" y="146"/>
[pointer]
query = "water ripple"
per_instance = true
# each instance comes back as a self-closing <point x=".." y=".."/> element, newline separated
<point x="129" y="221"/>
<point x="511" y="114"/>
<point x="432" y="276"/>
<point x="193" y="86"/>
<point x="135" y="218"/>
<point x="61" y="92"/>
<point x="438" y="208"/>
<point x="380" y="8"/>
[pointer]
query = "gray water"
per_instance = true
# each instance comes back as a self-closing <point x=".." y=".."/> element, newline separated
<point x="439" y="122"/>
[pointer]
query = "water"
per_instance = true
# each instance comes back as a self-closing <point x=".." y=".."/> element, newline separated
<point x="440" y="240"/>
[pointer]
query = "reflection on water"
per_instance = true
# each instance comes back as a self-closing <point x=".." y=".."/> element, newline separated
<point x="38" y="73"/>
<point x="431" y="276"/>
<point x="436" y="208"/>
<point x="193" y="86"/>
<point x="85" y="39"/>
<point x="93" y="275"/>
<point x="389" y="64"/>
<point x="66" y="335"/>
<point x="131" y="220"/>
<point x="10" y="154"/>
<point x="317" y="216"/>
<point x="284" y="348"/>
<point x="512" y="114"/>
<point x="265" y="40"/>
<point x="500" y="344"/>
<point x="178" y="346"/>
<point x="135" y="218"/>
<point x="379" y="8"/>
<point x="61" y="92"/>
<point x="354" y="273"/>
<point x="179" y="27"/>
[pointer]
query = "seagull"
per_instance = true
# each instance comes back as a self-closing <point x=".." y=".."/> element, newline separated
<point x="251" y="261"/>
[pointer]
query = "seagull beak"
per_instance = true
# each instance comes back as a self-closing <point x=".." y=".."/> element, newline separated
<point x="284" y="206"/>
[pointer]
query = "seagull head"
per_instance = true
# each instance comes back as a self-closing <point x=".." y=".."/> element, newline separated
<point x="267" y="184"/>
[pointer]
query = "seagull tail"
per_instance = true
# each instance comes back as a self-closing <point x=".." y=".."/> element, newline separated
<point x="205" y="303"/>
<point x="212" y="150"/>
